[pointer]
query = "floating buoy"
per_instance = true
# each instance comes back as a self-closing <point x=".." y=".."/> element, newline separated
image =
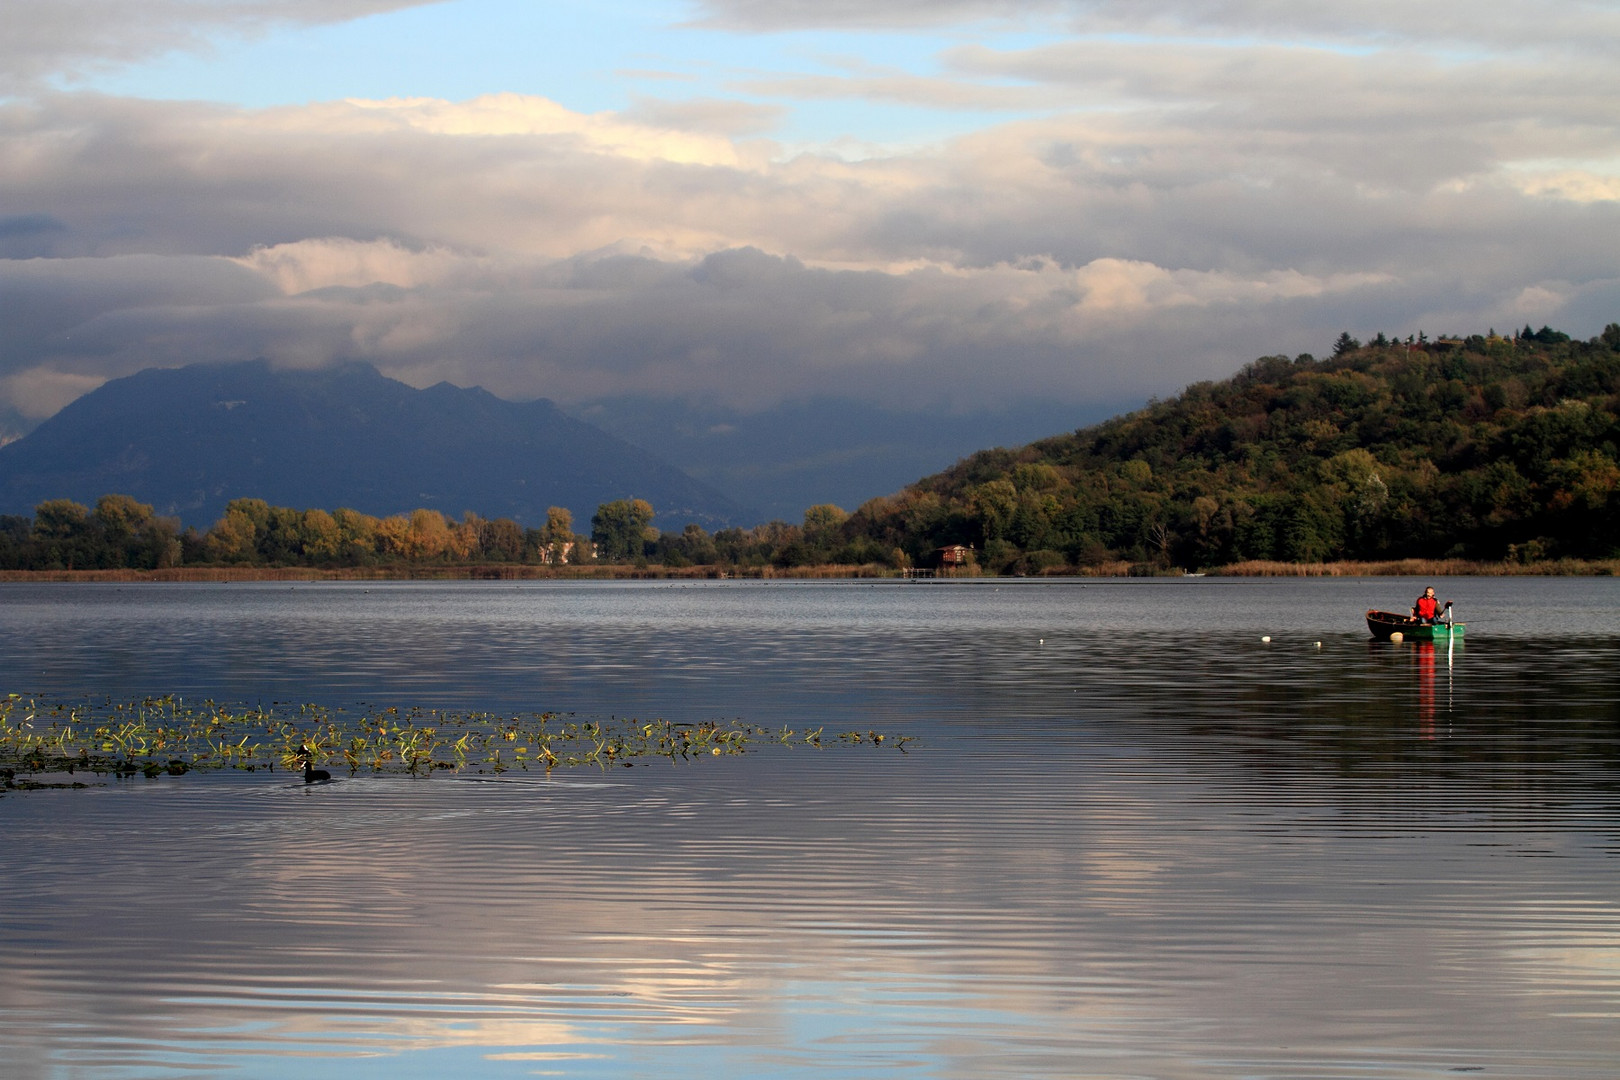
<point x="1043" y="641"/>
<point x="1266" y="639"/>
<point x="1318" y="644"/>
<point x="1397" y="637"/>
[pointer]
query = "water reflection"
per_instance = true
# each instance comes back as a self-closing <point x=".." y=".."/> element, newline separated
<point x="1152" y="846"/>
<point x="1102" y="910"/>
<point x="1424" y="657"/>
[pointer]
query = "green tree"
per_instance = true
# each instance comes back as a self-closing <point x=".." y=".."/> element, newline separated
<point x="281" y="541"/>
<point x="824" y="531"/>
<point x="357" y="536"/>
<point x="63" y="535"/>
<point x="692" y="546"/>
<point x="501" y="540"/>
<point x="15" y="534"/>
<point x="132" y="536"/>
<point x="121" y="518"/>
<point x="619" y="529"/>
<point x="991" y="506"/>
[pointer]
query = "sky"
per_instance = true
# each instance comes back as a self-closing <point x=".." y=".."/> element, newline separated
<point x="967" y="203"/>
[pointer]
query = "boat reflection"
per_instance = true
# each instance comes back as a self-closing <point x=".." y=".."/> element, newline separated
<point x="1423" y="656"/>
<point x="1423" y="653"/>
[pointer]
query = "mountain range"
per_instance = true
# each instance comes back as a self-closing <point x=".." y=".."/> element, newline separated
<point x="188" y="440"/>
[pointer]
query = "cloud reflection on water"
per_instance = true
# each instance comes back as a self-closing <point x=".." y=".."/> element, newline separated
<point x="1123" y="853"/>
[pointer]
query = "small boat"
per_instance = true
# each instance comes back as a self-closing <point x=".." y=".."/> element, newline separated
<point x="1385" y="623"/>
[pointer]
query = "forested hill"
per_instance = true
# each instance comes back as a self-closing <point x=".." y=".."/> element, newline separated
<point x="1483" y="448"/>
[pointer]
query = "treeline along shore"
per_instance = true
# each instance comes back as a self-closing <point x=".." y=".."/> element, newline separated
<point x="1485" y="454"/>
<point x="1417" y="568"/>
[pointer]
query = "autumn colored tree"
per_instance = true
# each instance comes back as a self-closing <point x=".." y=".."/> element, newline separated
<point x="561" y="544"/>
<point x="427" y="536"/>
<point x="322" y="537"/>
<point x="235" y="537"/>
<point x="391" y="537"/>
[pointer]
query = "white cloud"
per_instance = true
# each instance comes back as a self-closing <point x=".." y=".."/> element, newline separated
<point x="1574" y="185"/>
<point x="1442" y="25"/>
<point x="1186" y="186"/>
<point x="40" y="392"/>
<point x="520" y="114"/>
<point x="337" y="261"/>
<point x="1135" y="289"/>
<point x="65" y="39"/>
<point x="1542" y="301"/>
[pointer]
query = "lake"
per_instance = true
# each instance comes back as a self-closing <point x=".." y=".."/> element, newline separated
<point x="1131" y="839"/>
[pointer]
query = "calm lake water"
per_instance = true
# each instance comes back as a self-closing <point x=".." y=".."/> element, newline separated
<point x="1132" y="839"/>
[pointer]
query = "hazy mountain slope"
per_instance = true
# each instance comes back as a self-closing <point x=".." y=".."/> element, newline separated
<point x="798" y="454"/>
<point x="189" y="440"/>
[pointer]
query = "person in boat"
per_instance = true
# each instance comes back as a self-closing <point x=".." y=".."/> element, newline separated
<point x="1428" y="607"/>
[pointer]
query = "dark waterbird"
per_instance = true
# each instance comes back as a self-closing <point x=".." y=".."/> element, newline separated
<point x="313" y="775"/>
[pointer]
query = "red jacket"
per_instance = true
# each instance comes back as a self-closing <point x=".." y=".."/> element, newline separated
<point x="1427" y="607"/>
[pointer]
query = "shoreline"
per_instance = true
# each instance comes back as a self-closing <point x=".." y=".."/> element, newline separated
<point x="522" y="572"/>
<point x="1424" y="568"/>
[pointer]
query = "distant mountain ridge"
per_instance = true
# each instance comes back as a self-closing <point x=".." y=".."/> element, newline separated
<point x="188" y="440"/>
<point x="828" y="449"/>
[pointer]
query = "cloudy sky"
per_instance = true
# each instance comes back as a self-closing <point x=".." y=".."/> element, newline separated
<point x="753" y="201"/>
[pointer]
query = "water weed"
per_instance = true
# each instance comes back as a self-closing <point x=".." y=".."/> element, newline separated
<point x="167" y="736"/>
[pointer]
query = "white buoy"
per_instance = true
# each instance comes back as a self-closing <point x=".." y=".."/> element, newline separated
<point x="1043" y="641"/>
<point x="1397" y="637"/>
<point x="1318" y="644"/>
<point x="1267" y="638"/>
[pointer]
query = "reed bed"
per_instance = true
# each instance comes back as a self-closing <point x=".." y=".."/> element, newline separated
<point x="1423" y="568"/>
<point x="447" y="572"/>
<point x="158" y="736"/>
<point x="525" y="572"/>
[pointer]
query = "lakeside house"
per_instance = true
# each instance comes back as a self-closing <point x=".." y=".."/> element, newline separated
<point x="563" y="554"/>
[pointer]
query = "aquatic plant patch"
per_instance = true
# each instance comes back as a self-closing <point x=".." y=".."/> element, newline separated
<point x="158" y="736"/>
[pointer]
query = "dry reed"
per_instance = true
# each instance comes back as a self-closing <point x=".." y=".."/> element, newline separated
<point x="525" y="572"/>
